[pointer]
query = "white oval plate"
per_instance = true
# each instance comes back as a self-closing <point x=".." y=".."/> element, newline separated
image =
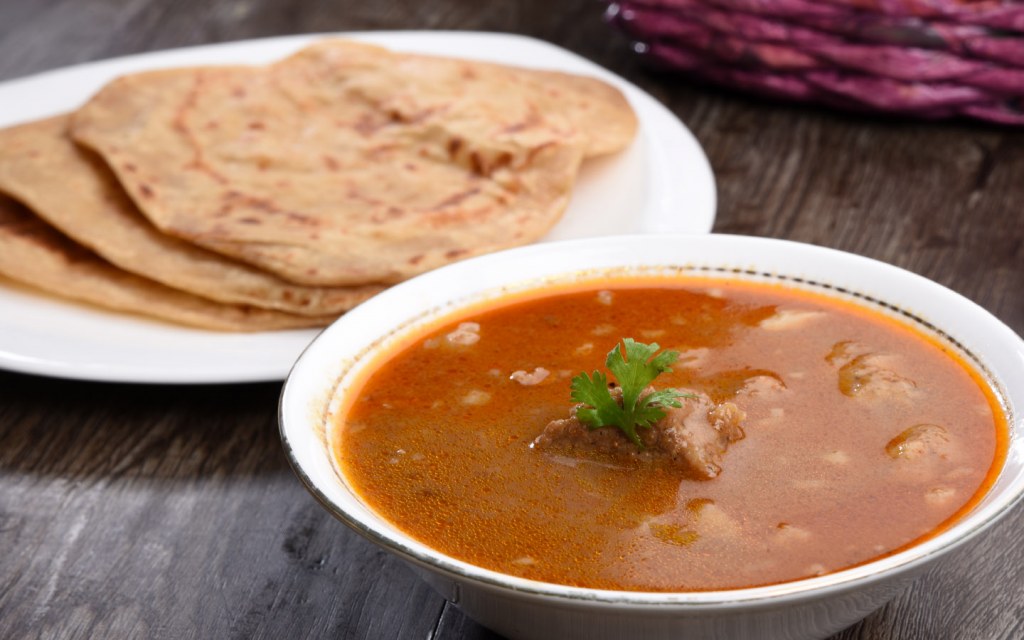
<point x="661" y="184"/>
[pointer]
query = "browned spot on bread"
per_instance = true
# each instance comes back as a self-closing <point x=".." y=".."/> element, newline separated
<point x="366" y="125"/>
<point x="443" y="218"/>
<point x="419" y="116"/>
<point x="453" y="146"/>
<point x="476" y="163"/>
<point x="389" y="214"/>
<point x="535" y="151"/>
<point x="355" y="194"/>
<point x="381" y="152"/>
<point x="456" y="199"/>
<point x="503" y="160"/>
<point x="533" y="119"/>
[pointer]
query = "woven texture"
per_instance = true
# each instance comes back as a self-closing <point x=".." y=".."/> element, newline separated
<point x="923" y="58"/>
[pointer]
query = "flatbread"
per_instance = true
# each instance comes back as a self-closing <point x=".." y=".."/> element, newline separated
<point x="73" y="190"/>
<point x="324" y="181"/>
<point x="33" y="253"/>
<point x="491" y="99"/>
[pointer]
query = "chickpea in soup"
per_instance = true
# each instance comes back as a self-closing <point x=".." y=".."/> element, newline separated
<point x="811" y="435"/>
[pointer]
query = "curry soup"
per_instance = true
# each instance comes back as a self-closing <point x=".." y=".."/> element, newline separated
<point x="868" y="437"/>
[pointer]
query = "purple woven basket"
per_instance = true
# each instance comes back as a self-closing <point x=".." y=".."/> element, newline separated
<point x="923" y="58"/>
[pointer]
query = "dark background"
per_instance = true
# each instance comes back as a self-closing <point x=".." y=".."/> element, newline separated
<point x="170" y="512"/>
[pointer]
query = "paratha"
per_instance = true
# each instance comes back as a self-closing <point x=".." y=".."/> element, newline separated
<point x="331" y="177"/>
<point x="492" y="99"/>
<point x="33" y="253"/>
<point x="73" y="190"/>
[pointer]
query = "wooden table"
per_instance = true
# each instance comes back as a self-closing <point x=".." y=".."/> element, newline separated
<point x="170" y="511"/>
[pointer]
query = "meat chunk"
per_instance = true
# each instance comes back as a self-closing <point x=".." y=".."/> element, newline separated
<point x="789" y="319"/>
<point x="925" y="453"/>
<point x="762" y="385"/>
<point x="697" y="434"/>
<point x="692" y="437"/>
<point x="572" y="437"/>
<point x="866" y="374"/>
<point x="535" y="377"/>
<point x="919" y="441"/>
<point x="466" y="333"/>
<point x="871" y="376"/>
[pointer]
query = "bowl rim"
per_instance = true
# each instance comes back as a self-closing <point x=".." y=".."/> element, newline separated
<point x="772" y="595"/>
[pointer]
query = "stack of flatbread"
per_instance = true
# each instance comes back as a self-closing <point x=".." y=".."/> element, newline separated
<point x="257" y="198"/>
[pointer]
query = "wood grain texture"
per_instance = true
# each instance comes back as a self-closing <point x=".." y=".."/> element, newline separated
<point x="170" y="512"/>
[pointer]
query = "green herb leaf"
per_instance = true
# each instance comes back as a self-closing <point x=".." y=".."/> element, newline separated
<point x="634" y="370"/>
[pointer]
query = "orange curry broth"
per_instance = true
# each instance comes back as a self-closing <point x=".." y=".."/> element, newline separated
<point x="436" y="440"/>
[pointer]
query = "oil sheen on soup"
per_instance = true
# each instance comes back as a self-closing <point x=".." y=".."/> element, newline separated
<point x="851" y="436"/>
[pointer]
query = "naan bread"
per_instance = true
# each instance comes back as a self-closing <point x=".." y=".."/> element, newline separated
<point x="33" y="253"/>
<point x="73" y="190"/>
<point x="328" y="175"/>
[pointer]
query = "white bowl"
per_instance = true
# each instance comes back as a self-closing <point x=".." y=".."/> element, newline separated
<point x="520" y="608"/>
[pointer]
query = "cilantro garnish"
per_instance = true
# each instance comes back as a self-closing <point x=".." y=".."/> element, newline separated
<point x="633" y="372"/>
